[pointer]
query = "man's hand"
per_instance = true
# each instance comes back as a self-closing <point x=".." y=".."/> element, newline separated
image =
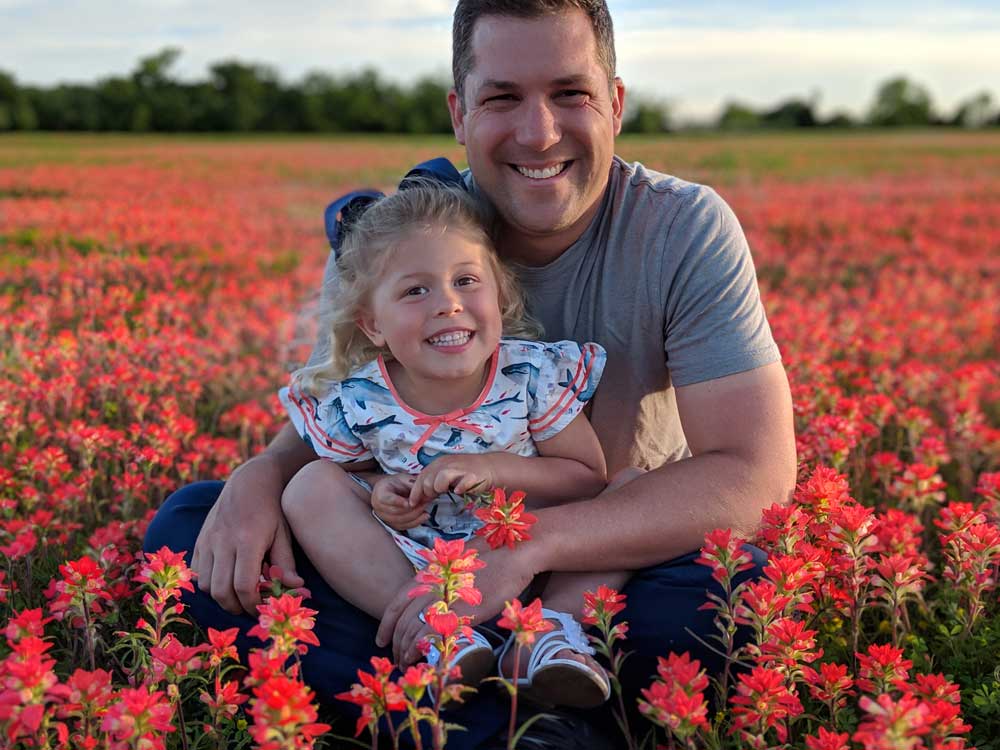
<point x="506" y="575"/>
<point x="458" y="473"/>
<point x="391" y="502"/>
<point x="243" y="526"/>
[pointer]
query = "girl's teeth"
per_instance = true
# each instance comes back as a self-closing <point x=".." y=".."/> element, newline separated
<point x="451" y="339"/>
<point x="542" y="174"/>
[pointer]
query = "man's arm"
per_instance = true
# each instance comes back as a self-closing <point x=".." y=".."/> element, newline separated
<point x="740" y="432"/>
<point x="246" y="523"/>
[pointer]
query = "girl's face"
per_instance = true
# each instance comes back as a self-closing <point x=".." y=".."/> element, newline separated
<point x="436" y="307"/>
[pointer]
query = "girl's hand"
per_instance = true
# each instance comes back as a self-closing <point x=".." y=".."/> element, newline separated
<point x="460" y="474"/>
<point x="391" y="502"/>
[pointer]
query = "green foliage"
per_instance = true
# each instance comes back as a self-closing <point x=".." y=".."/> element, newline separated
<point x="237" y="97"/>
<point x="901" y="102"/>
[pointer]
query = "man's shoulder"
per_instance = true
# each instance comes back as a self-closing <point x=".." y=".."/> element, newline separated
<point x="642" y="198"/>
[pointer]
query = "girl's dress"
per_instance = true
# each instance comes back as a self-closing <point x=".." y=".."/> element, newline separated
<point x="532" y="391"/>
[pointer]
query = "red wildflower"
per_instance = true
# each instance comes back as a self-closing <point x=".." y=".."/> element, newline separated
<point x="222" y="645"/>
<point x="524" y="622"/>
<point x="828" y="740"/>
<point x="829" y="684"/>
<point x="725" y="554"/>
<point x="285" y="622"/>
<point x="505" y="522"/>
<point x="377" y="695"/>
<point x="284" y="717"/>
<point x="139" y="718"/>
<point x="450" y="572"/>
<point x="602" y="605"/>
<point x="881" y="668"/>
<point x="25" y="623"/>
<point x="762" y="702"/>
<point x="892" y="724"/>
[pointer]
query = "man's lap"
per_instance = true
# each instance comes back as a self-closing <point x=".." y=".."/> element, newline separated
<point x="662" y="612"/>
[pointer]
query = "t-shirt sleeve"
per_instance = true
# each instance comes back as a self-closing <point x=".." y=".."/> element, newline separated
<point x="568" y="375"/>
<point x="715" y="324"/>
<point x="322" y="423"/>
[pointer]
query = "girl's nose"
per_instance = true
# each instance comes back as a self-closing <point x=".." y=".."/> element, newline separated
<point x="449" y="302"/>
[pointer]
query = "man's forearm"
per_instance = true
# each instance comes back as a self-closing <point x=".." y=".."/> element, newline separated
<point x="288" y="453"/>
<point x="658" y="516"/>
<point x="740" y="431"/>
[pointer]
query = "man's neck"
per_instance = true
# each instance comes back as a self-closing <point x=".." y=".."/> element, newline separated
<point x="532" y="250"/>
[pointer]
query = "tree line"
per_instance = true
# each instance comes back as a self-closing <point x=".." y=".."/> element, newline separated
<point x="246" y="97"/>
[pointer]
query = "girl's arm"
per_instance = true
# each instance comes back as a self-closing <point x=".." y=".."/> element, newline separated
<point x="570" y="466"/>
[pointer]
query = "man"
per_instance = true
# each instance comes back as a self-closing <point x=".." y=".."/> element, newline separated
<point x="656" y="270"/>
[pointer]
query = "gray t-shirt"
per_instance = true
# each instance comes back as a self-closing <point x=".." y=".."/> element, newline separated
<point x="663" y="280"/>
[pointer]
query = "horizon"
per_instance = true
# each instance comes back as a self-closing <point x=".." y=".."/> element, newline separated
<point x="722" y="51"/>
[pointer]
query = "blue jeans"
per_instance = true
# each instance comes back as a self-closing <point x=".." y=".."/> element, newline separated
<point x="662" y="612"/>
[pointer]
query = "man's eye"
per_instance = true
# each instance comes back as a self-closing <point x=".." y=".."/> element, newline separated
<point x="572" y="94"/>
<point x="499" y="98"/>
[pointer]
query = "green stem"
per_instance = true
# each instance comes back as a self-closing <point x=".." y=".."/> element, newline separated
<point x="513" y="698"/>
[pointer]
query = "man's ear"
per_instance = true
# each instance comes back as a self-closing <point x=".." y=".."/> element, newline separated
<point x="369" y="326"/>
<point x="618" y="104"/>
<point x="457" y="116"/>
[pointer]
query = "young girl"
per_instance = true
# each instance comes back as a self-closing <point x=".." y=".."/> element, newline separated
<point x="421" y="383"/>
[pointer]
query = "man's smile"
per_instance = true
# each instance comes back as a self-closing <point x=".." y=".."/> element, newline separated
<point x="542" y="173"/>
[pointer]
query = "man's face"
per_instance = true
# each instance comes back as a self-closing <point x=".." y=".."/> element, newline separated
<point x="539" y="125"/>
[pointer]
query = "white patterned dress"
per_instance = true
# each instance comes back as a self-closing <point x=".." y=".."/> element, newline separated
<point x="533" y="390"/>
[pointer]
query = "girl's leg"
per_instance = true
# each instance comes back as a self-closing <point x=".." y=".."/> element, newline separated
<point x="564" y="592"/>
<point x="331" y="519"/>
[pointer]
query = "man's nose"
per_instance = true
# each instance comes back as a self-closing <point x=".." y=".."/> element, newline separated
<point x="538" y="128"/>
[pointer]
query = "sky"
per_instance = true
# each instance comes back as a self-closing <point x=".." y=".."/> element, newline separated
<point x="693" y="56"/>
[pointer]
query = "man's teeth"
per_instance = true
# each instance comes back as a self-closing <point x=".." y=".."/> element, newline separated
<point x="542" y="174"/>
<point x="455" y="338"/>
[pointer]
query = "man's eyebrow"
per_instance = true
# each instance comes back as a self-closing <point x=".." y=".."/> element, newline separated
<point x="572" y="80"/>
<point x="569" y="80"/>
<point x="493" y="83"/>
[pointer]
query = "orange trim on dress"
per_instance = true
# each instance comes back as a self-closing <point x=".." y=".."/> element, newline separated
<point x="535" y="425"/>
<point x="308" y="415"/>
<point x="456" y="417"/>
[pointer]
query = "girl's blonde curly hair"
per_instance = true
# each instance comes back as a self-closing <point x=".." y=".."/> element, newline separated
<point x="366" y="251"/>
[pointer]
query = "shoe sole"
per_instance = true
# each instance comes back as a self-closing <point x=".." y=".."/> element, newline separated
<point x="563" y="685"/>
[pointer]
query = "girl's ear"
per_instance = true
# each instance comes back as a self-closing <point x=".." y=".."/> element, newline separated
<point x="369" y="326"/>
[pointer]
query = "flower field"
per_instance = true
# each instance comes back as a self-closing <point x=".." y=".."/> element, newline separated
<point x="154" y="294"/>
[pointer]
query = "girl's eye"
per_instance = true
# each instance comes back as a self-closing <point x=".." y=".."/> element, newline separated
<point x="465" y="280"/>
<point x="415" y="291"/>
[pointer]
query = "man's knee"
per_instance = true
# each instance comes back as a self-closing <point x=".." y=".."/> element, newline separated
<point x="178" y="521"/>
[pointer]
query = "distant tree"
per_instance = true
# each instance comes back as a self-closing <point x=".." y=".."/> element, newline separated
<point x="245" y="94"/>
<point x="737" y="116"/>
<point x="66" y="107"/>
<point x="975" y="112"/>
<point x="793" y="113"/>
<point x="424" y="107"/>
<point x="900" y="102"/>
<point x="644" y="114"/>
<point x="16" y="111"/>
<point x="839" y="119"/>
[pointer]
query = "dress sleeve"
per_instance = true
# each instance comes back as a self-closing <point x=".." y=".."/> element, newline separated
<point x="568" y="375"/>
<point x="321" y="422"/>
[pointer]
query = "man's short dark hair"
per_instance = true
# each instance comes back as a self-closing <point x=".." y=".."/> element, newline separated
<point x="470" y="11"/>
